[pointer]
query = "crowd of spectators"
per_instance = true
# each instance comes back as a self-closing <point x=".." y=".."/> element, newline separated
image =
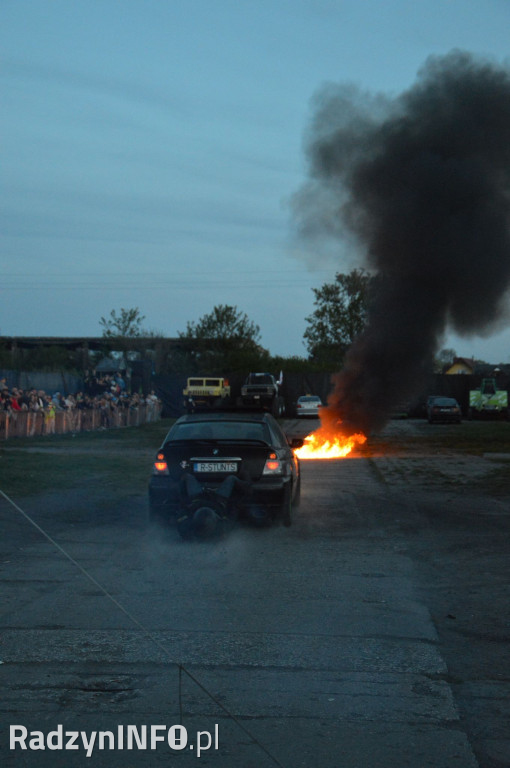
<point x="105" y="394"/>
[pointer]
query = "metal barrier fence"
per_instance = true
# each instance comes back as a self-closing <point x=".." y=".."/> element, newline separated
<point x="34" y="423"/>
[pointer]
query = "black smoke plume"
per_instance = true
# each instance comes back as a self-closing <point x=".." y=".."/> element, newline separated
<point x="423" y="183"/>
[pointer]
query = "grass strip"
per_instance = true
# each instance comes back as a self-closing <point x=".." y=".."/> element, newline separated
<point x="119" y="458"/>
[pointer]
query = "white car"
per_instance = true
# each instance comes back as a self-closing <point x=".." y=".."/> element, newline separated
<point x="308" y="405"/>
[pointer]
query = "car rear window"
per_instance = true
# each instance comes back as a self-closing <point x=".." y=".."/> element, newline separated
<point x="309" y="399"/>
<point x="220" y="430"/>
<point x="444" y="401"/>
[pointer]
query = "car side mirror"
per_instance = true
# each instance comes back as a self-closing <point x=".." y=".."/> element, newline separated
<point x="296" y="442"/>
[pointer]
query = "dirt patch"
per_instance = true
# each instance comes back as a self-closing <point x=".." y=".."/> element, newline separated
<point x="457" y="528"/>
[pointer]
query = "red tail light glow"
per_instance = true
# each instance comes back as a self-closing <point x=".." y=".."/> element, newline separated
<point x="273" y="466"/>
<point x="160" y="464"/>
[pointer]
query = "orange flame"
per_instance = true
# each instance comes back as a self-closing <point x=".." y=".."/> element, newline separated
<point x="324" y="445"/>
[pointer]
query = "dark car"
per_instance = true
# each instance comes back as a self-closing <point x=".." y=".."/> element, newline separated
<point x="215" y="467"/>
<point x="443" y="409"/>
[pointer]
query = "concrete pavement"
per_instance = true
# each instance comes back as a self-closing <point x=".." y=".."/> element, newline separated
<point x="315" y="638"/>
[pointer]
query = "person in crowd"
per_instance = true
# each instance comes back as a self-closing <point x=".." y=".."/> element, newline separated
<point x="120" y="381"/>
<point x="36" y="413"/>
<point x="152" y="401"/>
<point x="23" y="399"/>
<point x="113" y="405"/>
<point x="49" y="416"/>
<point x="15" y="406"/>
<point x="69" y="403"/>
<point x="5" y="400"/>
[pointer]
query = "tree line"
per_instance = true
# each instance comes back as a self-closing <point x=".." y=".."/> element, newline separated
<point x="226" y="339"/>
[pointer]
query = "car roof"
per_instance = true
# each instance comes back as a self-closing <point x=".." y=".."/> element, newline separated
<point x="254" y="416"/>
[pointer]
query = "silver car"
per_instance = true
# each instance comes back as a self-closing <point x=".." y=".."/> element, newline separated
<point x="308" y="406"/>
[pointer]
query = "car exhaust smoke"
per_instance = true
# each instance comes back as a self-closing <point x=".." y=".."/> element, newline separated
<point x="422" y="182"/>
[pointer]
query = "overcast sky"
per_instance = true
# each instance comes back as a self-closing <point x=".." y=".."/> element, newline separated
<point x="151" y="148"/>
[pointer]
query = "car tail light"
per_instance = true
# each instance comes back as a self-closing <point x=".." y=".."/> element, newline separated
<point x="160" y="465"/>
<point x="273" y="466"/>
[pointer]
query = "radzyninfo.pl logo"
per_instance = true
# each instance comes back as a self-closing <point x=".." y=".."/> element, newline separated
<point x="124" y="737"/>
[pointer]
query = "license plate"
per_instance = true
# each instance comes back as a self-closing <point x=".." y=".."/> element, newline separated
<point x="215" y="466"/>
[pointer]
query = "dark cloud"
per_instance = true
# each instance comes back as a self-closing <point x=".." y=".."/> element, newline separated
<point x="423" y="183"/>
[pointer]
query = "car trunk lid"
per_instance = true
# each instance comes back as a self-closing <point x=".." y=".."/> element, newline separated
<point x="214" y="460"/>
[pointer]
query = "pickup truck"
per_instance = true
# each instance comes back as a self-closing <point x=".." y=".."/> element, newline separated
<point x="262" y="390"/>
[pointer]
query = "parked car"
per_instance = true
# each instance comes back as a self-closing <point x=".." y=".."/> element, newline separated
<point x="213" y="468"/>
<point x="443" y="409"/>
<point x="308" y="405"/>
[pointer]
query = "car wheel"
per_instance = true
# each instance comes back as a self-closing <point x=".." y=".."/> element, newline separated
<point x="259" y="515"/>
<point x="297" y="494"/>
<point x="286" y="507"/>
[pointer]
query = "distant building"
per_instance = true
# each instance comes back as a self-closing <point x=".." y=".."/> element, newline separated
<point x="461" y="365"/>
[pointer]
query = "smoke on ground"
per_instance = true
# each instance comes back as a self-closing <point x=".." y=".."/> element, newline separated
<point x="422" y="181"/>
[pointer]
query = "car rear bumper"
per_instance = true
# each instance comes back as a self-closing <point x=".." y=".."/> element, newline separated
<point x="445" y="419"/>
<point x="164" y="493"/>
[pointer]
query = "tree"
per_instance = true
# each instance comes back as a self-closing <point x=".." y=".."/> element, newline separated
<point x="124" y="335"/>
<point x="444" y="359"/>
<point x="223" y="340"/>
<point x="127" y="324"/>
<point x="340" y="315"/>
<point x="223" y="323"/>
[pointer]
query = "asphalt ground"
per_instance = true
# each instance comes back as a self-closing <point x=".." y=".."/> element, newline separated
<point x="372" y="633"/>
